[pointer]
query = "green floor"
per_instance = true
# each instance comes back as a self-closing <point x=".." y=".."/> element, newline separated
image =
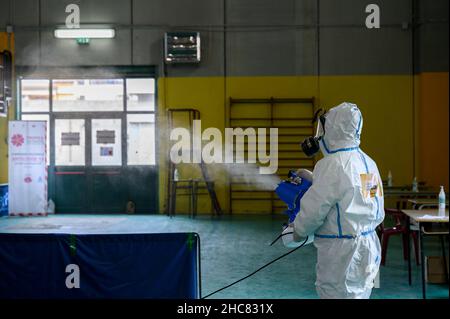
<point x="232" y="247"/>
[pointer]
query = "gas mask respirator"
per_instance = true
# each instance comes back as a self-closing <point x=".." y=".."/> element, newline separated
<point x="311" y="145"/>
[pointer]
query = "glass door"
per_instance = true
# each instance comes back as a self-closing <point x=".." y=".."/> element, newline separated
<point x="88" y="167"/>
<point x="102" y="141"/>
<point x="68" y="174"/>
<point x="108" y="173"/>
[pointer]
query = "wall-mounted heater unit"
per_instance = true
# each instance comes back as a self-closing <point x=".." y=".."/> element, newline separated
<point x="182" y="47"/>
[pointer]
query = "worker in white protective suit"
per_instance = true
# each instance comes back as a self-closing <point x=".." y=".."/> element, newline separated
<point x="342" y="208"/>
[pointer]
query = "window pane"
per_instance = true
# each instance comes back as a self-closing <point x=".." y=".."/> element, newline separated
<point x="35" y="95"/>
<point x="141" y="94"/>
<point x="40" y="117"/>
<point x="69" y="142"/>
<point x="106" y="142"/>
<point x="141" y="139"/>
<point x="87" y="95"/>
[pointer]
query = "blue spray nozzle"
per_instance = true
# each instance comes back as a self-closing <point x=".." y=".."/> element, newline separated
<point x="291" y="192"/>
<point x="292" y="174"/>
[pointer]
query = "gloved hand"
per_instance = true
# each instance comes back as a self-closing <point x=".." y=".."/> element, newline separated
<point x="292" y="240"/>
<point x="305" y="174"/>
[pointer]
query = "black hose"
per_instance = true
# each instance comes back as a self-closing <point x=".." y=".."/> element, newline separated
<point x="261" y="268"/>
<point x="281" y="235"/>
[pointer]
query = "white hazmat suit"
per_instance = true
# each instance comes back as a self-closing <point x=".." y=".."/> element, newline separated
<point x="342" y="208"/>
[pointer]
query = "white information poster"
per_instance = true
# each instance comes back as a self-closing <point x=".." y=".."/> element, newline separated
<point x="27" y="168"/>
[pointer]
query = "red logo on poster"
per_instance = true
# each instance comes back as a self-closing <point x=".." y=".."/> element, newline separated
<point x="27" y="179"/>
<point x="17" y="140"/>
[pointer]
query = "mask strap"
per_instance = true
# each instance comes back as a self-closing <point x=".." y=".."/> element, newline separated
<point x="317" y="130"/>
<point x="321" y="121"/>
<point x="316" y="115"/>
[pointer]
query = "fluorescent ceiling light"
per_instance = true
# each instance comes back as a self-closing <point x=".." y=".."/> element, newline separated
<point x="84" y="33"/>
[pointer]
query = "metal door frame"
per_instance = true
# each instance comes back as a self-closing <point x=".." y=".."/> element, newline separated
<point x="94" y="72"/>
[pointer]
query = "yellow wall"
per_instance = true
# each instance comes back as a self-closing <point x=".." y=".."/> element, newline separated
<point x="386" y="104"/>
<point x="205" y="95"/>
<point x="385" y="101"/>
<point x="5" y="45"/>
<point x="433" y="128"/>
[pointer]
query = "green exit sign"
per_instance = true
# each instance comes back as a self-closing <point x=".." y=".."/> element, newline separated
<point x="83" y="40"/>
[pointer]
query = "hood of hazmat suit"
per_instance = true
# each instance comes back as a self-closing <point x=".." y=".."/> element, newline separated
<point x="342" y="208"/>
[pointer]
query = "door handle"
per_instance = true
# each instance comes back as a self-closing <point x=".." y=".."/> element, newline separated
<point x="70" y="173"/>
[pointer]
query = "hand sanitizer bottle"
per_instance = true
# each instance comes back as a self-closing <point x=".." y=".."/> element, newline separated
<point x="442" y="202"/>
<point x="389" y="182"/>
<point x="415" y="185"/>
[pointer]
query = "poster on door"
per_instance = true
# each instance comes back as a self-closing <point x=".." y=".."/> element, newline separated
<point x="27" y="168"/>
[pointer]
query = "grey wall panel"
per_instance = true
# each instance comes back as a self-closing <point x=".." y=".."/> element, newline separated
<point x="27" y="47"/>
<point x="98" y="11"/>
<point x="58" y="52"/>
<point x="434" y="47"/>
<point x="435" y="9"/>
<point x="260" y="12"/>
<point x="5" y="12"/>
<point x="256" y="53"/>
<point x="360" y="51"/>
<point x="305" y="52"/>
<point x="211" y="58"/>
<point x="333" y="12"/>
<point x="176" y="12"/>
<point x="279" y="48"/>
<point x="148" y="46"/>
<point x="25" y="12"/>
<point x="305" y="12"/>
